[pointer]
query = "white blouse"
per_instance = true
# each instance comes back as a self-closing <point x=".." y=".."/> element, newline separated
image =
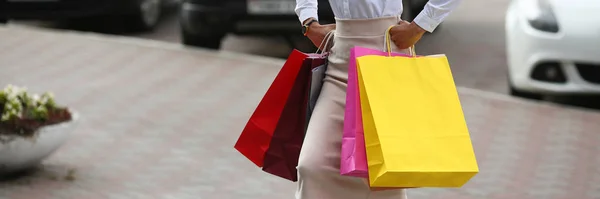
<point x="432" y="15"/>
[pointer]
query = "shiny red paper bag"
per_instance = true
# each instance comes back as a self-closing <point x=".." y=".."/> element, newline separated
<point x="258" y="132"/>
<point x="283" y="153"/>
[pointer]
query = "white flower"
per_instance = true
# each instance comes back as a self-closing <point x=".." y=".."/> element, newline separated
<point x="11" y="95"/>
<point x="17" y="100"/>
<point x="41" y="108"/>
<point x="35" y="97"/>
<point x="8" y="88"/>
<point x="12" y="90"/>
<point x="49" y="95"/>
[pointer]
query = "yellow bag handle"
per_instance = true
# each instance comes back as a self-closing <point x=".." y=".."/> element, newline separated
<point x="388" y="43"/>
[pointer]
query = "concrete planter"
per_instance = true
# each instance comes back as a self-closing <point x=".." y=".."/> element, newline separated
<point x="19" y="153"/>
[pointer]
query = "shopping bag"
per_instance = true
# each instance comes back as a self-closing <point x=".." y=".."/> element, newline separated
<point x="414" y="127"/>
<point x="258" y="132"/>
<point x="316" y="82"/>
<point x="281" y="157"/>
<point x="318" y="62"/>
<point x="353" y="154"/>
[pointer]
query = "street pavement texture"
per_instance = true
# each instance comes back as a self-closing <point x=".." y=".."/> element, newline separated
<point x="159" y="120"/>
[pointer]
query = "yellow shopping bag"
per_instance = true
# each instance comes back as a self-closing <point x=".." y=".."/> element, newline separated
<point x="415" y="131"/>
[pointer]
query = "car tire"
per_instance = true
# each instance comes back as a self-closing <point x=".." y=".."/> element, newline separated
<point x="3" y="21"/>
<point x="145" y="15"/>
<point x="210" y="41"/>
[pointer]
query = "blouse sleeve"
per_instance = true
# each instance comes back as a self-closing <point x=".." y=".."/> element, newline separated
<point x="306" y="9"/>
<point x="434" y="13"/>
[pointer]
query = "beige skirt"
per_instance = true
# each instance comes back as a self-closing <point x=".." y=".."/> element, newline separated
<point x="318" y="167"/>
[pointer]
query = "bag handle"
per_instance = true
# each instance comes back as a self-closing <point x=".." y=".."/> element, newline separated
<point x="325" y="41"/>
<point x="388" y="43"/>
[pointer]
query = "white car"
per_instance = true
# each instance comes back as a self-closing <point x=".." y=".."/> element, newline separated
<point x="553" y="47"/>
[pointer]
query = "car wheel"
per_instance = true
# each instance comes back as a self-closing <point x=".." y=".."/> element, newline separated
<point x="146" y="15"/>
<point x="210" y="41"/>
<point x="3" y="21"/>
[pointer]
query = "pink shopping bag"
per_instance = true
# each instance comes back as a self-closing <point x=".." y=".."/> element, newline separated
<point x="353" y="156"/>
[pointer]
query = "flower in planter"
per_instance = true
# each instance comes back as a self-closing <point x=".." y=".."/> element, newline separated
<point x="9" y="98"/>
<point x="22" y="110"/>
<point x="33" y="125"/>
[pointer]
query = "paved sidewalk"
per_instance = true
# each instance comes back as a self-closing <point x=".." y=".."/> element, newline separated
<point x="160" y="121"/>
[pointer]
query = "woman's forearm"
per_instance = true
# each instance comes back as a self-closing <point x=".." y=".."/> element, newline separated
<point x="434" y="13"/>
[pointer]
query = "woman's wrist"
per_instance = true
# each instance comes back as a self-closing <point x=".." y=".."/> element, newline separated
<point x="416" y="28"/>
<point x="308" y="20"/>
<point x="312" y="26"/>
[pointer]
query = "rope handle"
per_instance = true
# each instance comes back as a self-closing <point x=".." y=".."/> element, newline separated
<point x="325" y="41"/>
<point x="388" y="43"/>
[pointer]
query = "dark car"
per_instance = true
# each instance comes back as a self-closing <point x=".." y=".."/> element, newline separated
<point x="141" y="14"/>
<point x="205" y="23"/>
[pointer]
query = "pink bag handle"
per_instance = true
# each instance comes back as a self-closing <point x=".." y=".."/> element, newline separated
<point x="388" y="43"/>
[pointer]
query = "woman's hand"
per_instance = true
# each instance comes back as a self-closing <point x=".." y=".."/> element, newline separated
<point x="316" y="33"/>
<point x="406" y="34"/>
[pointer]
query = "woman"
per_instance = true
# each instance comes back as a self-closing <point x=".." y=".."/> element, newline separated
<point x="358" y="23"/>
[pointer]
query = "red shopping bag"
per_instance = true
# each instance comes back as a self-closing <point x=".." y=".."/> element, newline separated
<point x="283" y="153"/>
<point x="258" y="132"/>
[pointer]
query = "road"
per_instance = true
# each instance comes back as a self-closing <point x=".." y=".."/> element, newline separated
<point x="472" y="38"/>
